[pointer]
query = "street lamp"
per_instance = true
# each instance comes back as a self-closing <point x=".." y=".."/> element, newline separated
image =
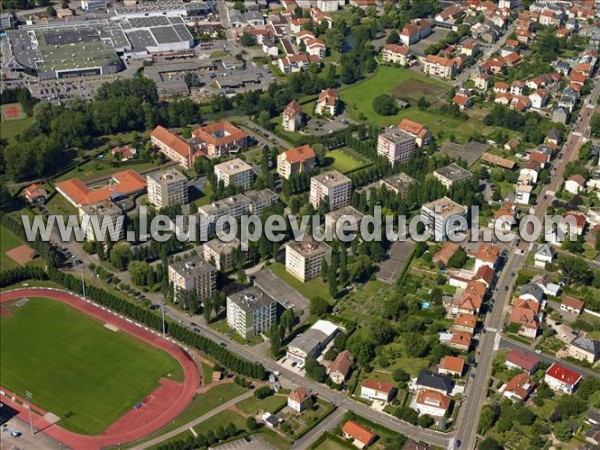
<point x="29" y="395"/>
<point x="82" y="281"/>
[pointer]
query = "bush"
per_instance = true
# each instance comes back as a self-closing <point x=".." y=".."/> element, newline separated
<point x="384" y="105"/>
<point x="263" y="392"/>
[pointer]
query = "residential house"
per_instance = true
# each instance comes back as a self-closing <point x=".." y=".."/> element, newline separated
<point x="575" y="184"/>
<point x="219" y="139"/>
<point x="526" y="313"/>
<point x="463" y="100"/>
<point x="584" y="349"/>
<point x="431" y="381"/>
<point x="451" y="365"/>
<point x="518" y="388"/>
<point x="35" y="193"/>
<point x="292" y="116"/>
<point x="460" y="340"/>
<point x="432" y="403"/>
<point x="538" y="98"/>
<point x="446" y="251"/>
<point x="544" y="255"/>
<point x="486" y="255"/>
<point x="298" y="399"/>
<point x="516" y="359"/>
<point x="340" y="368"/>
<point x="561" y="379"/>
<point x="414" y="31"/>
<point x="572" y="305"/>
<point x="327" y="104"/>
<point x="449" y="15"/>
<point x="361" y="436"/>
<point x="377" y="390"/>
<point x="465" y="322"/>
<point x="532" y="291"/>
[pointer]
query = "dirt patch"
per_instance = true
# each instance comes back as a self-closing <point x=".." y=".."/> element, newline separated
<point x="412" y="90"/>
<point x="12" y="111"/>
<point x="21" y="254"/>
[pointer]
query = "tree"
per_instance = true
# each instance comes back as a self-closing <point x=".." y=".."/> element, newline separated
<point x="486" y="420"/>
<point x="263" y="392"/>
<point x="247" y="40"/>
<point x="562" y="431"/>
<point x="318" y="306"/>
<point x="400" y="375"/>
<point x="393" y="38"/>
<point x="595" y="125"/>
<point x="459" y="258"/>
<point x="334" y="39"/>
<point x="314" y="370"/>
<point x="51" y="11"/>
<point x="275" y="338"/>
<point x="574" y="269"/>
<point x="385" y="105"/>
<point x="490" y="444"/>
<point x="504" y="424"/>
<point x="425" y="421"/>
<point x="251" y="423"/>
<point x="120" y="256"/>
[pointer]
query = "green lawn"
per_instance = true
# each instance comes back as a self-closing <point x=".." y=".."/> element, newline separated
<point x="97" y="168"/>
<point x="75" y="367"/>
<point x="60" y="206"/>
<point x="207" y="371"/>
<point x="344" y="161"/>
<point x="330" y="444"/>
<point x="272" y="404"/>
<point x="313" y="288"/>
<point x="8" y="241"/>
<point x="12" y="128"/>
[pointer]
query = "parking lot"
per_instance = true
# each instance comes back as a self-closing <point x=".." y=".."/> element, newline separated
<point x="25" y="441"/>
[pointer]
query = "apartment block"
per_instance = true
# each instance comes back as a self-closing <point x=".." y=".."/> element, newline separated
<point x="303" y="259"/>
<point x="102" y="212"/>
<point x="251" y="312"/>
<point x="173" y="147"/>
<point x="220" y="138"/>
<point x="396" y="145"/>
<point x="235" y="173"/>
<point x="193" y="274"/>
<point x="220" y="253"/>
<point x="295" y="161"/>
<point x="334" y="186"/>
<point x="167" y="188"/>
<point x="443" y="217"/>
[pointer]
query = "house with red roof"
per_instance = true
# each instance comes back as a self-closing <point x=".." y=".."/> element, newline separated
<point x="486" y="255"/>
<point x="463" y="100"/>
<point x="440" y="66"/>
<point x="35" y="192"/>
<point x="518" y="388"/>
<point x="292" y="116"/>
<point x="414" y="31"/>
<point x="361" y="436"/>
<point x="573" y="223"/>
<point x="419" y="131"/>
<point x="432" y="403"/>
<point x="460" y="340"/>
<point x="172" y="146"/>
<point x="220" y="138"/>
<point x="340" y="368"/>
<point x="465" y="322"/>
<point x="527" y="314"/>
<point x="327" y="104"/>
<point x="572" y="305"/>
<point x="295" y="161"/>
<point x="561" y="379"/>
<point x="396" y="54"/>
<point x="516" y="359"/>
<point x="298" y="398"/>
<point x="575" y="184"/>
<point x="451" y="365"/>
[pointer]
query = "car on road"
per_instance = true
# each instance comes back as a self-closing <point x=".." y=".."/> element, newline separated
<point x="223" y="344"/>
<point x="457" y="443"/>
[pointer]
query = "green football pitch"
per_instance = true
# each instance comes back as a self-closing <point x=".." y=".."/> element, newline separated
<point x="75" y="367"/>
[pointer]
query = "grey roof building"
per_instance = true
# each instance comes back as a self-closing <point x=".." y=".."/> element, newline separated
<point x="534" y="291"/>
<point x="440" y="383"/>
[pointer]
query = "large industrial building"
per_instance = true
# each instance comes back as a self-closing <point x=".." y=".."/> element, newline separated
<point x="61" y="50"/>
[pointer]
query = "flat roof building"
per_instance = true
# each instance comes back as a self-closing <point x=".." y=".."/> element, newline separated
<point x="350" y="216"/>
<point x="396" y="145"/>
<point x="220" y="253"/>
<point x="106" y="215"/>
<point x="191" y="274"/>
<point x="334" y="186"/>
<point x="443" y="217"/>
<point x="303" y="259"/>
<point x="451" y="174"/>
<point x="167" y="188"/>
<point x="311" y="343"/>
<point x="235" y="173"/>
<point x="251" y="312"/>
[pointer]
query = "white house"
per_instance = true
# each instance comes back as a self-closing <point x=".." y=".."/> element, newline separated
<point x="538" y="98"/>
<point x="298" y="399"/>
<point x="575" y="184"/>
<point x="544" y="255"/>
<point x="561" y="379"/>
<point x="377" y="390"/>
<point x="432" y="403"/>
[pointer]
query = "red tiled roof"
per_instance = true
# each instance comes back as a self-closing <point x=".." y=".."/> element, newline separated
<point x="523" y="360"/>
<point x="378" y="385"/>
<point x="358" y="432"/>
<point x="342" y="363"/>
<point x="452" y="364"/>
<point x="292" y="109"/>
<point x="299" y="154"/>
<point x="172" y="141"/>
<point x="487" y="253"/>
<point x="433" y="398"/>
<point x="395" y="48"/>
<point x="445" y="252"/>
<point x="573" y="303"/>
<point x="519" y="385"/>
<point x="329" y="96"/>
<point x="466" y="320"/>
<point x="563" y="374"/>
<point x="212" y="134"/>
<point x="461" y="338"/>
<point x="299" y="395"/>
<point x="126" y="182"/>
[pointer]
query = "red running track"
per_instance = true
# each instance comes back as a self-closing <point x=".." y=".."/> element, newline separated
<point x="166" y="402"/>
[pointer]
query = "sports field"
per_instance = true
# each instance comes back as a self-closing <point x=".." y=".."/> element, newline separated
<point x="75" y="367"/>
<point x="12" y="111"/>
<point x="9" y="241"/>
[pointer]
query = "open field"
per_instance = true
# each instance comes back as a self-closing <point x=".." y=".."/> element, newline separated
<point x="344" y="160"/>
<point x="75" y="367"/>
<point x="58" y="205"/>
<point x="272" y="404"/>
<point x="12" y="128"/>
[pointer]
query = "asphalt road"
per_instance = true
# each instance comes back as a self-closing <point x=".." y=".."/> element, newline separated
<point x="328" y="424"/>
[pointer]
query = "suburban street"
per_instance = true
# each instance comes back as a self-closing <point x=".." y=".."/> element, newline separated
<point x="476" y="389"/>
<point x="328" y="424"/>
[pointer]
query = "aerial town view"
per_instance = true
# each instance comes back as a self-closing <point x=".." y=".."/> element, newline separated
<point x="300" y="224"/>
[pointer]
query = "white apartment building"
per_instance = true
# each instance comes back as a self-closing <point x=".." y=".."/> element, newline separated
<point x="235" y="173"/>
<point x="251" y="312"/>
<point x="395" y="145"/>
<point x="95" y="215"/>
<point x="295" y="161"/>
<point x="334" y="186"/>
<point x="443" y="217"/>
<point x="220" y="253"/>
<point x="193" y="274"/>
<point x="167" y="188"/>
<point x="303" y="259"/>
